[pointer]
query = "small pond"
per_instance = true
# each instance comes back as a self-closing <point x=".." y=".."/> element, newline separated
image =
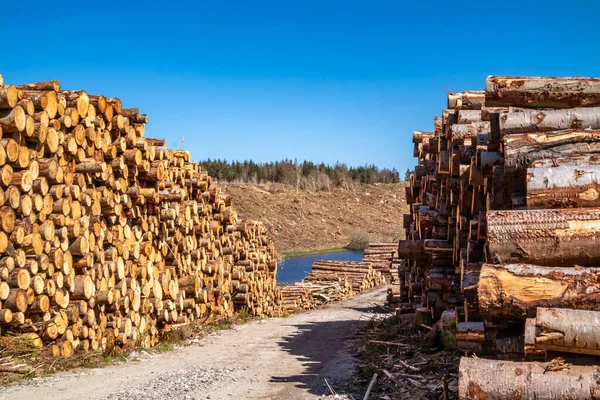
<point x="294" y="269"/>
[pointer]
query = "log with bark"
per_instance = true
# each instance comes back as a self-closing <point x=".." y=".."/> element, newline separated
<point x="563" y="187"/>
<point x="565" y="330"/>
<point x="540" y="92"/>
<point x="480" y="378"/>
<point x="560" y="237"/>
<point x="522" y="150"/>
<point x="517" y="290"/>
<point x="549" y="120"/>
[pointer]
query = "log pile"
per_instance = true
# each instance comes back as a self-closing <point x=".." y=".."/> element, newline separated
<point x="361" y="275"/>
<point x="332" y="280"/>
<point x="325" y="289"/>
<point x="109" y="237"/>
<point x="296" y="297"/>
<point x="504" y="222"/>
<point x="384" y="257"/>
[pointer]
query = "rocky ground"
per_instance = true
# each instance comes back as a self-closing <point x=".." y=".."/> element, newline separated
<point x="301" y="221"/>
<point x="279" y="358"/>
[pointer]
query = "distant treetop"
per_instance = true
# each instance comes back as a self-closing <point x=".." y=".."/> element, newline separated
<point x="306" y="175"/>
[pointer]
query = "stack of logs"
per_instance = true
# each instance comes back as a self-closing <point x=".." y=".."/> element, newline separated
<point x="296" y="297"/>
<point x="504" y="225"/>
<point x="361" y="275"/>
<point x="337" y="280"/>
<point x="384" y="257"/>
<point x="107" y="237"/>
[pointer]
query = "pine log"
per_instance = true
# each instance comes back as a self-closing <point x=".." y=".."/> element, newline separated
<point x="480" y="378"/>
<point x="563" y="187"/>
<point x="9" y="96"/>
<point x="13" y="120"/>
<point x="566" y="330"/>
<point x="470" y="336"/>
<point x="419" y="136"/>
<point x="561" y="237"/>
<point x="410" y="249"/>
<point x="549" y="120"/>
<point x="522" y="150"/>
<point x="516" y="290"/>
<point x="536" y="92"/>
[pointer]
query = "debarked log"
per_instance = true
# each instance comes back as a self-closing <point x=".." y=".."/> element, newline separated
<point x="517" y="290"/>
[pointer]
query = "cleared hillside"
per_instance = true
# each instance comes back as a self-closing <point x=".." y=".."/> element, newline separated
<point x="306" y="221"/>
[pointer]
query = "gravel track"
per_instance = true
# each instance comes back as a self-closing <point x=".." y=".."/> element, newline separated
<point x="277" y="358"/>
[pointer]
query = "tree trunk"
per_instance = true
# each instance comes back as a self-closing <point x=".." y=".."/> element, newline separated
<point x="549" y="120"/>
<point x="516" y="290"/>
<point x="469" y="116"/>
<point x="410" y="249"/>
<point x="461" y="132"/>
<point x="419" y="136"/>
<point x="563" y="187"/>
<point x="470" y="336"/>
<point x="480" y="378"/>
<point x="534" y="92"/>
<point x="522" y="150"/>
<point x="562" y="237"/>
<point x="467" y="100"/>
<point x="566" y="330"/>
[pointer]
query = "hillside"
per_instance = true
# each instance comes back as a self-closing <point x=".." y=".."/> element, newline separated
<point x="306" y="221"/>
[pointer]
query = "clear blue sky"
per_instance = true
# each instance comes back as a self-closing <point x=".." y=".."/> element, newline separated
<point x="322" y="80"/>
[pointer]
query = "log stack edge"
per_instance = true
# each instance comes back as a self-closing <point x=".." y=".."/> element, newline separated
<point x="108" y="237"/>
<point x="504" y="228"/>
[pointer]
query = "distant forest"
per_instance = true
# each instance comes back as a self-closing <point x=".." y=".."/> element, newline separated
<point x="305" y="175"/>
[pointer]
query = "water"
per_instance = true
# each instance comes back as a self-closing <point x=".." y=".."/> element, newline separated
<point x="294" y="269"/>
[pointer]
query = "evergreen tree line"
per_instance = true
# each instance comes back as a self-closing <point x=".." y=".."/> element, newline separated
<point x="305" y="175"/>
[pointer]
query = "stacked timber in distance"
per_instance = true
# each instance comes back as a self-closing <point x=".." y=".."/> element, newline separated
<point x="504" y="225"/>
<point x="361" y="275"/>
<point x="384" y="257"/>
<point x="108" y="237"/>
<point x="296" y="297"/>
<point x="336" y="280"/>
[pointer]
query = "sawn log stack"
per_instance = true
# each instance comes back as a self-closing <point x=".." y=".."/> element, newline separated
<point x="110" y="237"/>
<point x="504" y="228"/>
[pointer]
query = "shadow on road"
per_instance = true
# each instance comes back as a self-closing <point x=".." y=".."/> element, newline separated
<point x="324" y="350"/>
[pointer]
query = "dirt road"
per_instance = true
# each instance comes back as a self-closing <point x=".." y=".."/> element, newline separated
<point x="279" y="358"/>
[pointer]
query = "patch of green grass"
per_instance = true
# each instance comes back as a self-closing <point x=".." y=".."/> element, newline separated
<point x="221" y="325"/>
<point x="164" y="347"/>
<point x="108" y="360"/>
<point x="313" y="252"/>
<point x="366" y="371"/>
<point x="244" y="314"/>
